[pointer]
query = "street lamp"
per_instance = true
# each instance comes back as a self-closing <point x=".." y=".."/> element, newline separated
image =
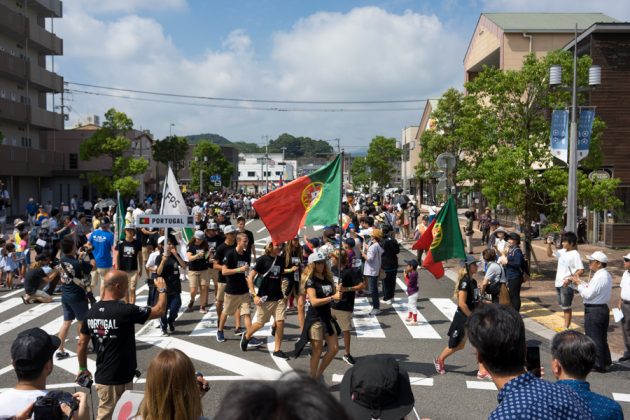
<point x="205" y="159"/>
<point x="555" y="78"/>
<point x="170" y="129"/>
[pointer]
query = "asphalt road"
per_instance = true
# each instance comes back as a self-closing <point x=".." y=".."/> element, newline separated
<point x="455" y="395"/>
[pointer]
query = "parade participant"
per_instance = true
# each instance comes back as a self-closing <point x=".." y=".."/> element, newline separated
<point x="168" y="265"/>
<point x="468" y="298"/>
<point x="569" y="264"/>
<point x="149" y="237"/>
<point x="37" y="278"/>
<point x="198" y="254"/>
<point x="237" y="299"/>
<point x="497" y="333"/>
<point x="269" y="299"/>
<point x="596" y="295"/>
<point x="74" y="273"/>
<point x="219" y="261"/>
<point x="514" y="261"/>
<point x="372" y="267"/>
<point x="214" y="239"/>
<point x="319" y="323"/>
<point x="251" y="249"/>
<point x="130" y="260"/>
<point x="624" y="306"/>
<point x="411" y="280"/>
<point x="573" y="356"/>
<point x="391" y="249"/>
<point x="494" y="275"/>
<point x="342" y="310"/>
<point x="291" y="280"/>
<point x="102" y="241"/>
<point x="484" y="225"/>
<point x="111" y="322"/>
<point x="171" y="369"/>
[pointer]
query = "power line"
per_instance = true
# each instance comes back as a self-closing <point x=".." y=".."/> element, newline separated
<point x="274" y="101"/>
<point x="243" y="107"/>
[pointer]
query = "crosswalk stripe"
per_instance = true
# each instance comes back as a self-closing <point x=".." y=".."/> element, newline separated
<point x="148" y="331"/>
<point x="446" y="306"/>
<point x="621" y="397"/>
<point x="13" y="293"/>
<point x="261" y="229"/>
<point x="10" y="304"/>
<point x="282" y="364"/>
<point x="365" y="325"/>
<point x="217" y="358"/>
<point x="414" y="380"/>
<point x="481" y="385"/>
<point x="208" y="324"/>
<point x="423" y="329"/>
<point x="29" y="315"/>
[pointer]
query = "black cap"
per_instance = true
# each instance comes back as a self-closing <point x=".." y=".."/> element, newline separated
<point x="32" y="349"/>
<point x="514" y="236"/>
<point x="412" y="263"/>
<point x="376" y="387"/>
<point x="105" y="221"/>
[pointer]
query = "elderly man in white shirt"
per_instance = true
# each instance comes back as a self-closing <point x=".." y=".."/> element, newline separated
<point x="624" y="305"/>
<point x="372" y="268"/>
<point x="596" y="295"/>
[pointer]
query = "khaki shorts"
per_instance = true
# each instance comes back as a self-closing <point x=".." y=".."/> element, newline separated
<point x="344" y="319"/>
<point x="40" y="296"/>
<point x="316" y="332"/>
<point x="133" y="279"/>
<point x="234" y="302"/>
<point x="266" y="310"/>
<point x="220" y="293"/>
<point x="108" y="396"/>
<point x="213" y="275"/>
<point x="97" y="274"/>
<point x="145" y="255"/>
<point x="198" y="278"/>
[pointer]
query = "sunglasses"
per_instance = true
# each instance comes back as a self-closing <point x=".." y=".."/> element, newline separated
<point x="626" y="260"/>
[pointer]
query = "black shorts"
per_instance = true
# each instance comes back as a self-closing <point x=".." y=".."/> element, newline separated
<point x="457" y="331"/>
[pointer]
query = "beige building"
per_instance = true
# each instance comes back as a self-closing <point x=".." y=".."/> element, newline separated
<point x="410" y="158"/>
<point x="502" y="40"/>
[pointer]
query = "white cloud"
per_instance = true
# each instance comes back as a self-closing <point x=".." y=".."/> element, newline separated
<point x="131" y="6"/>
<point x="619" y="9"/>
<point x="364" y="54"/>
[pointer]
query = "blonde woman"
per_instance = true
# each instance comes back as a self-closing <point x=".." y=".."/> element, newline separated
<point x="319" y="325"/>
<point x="173" y="389"/>
<point x="468" y="297"/>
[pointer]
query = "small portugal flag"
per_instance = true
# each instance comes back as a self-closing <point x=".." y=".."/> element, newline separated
<point x="307" y="201"/>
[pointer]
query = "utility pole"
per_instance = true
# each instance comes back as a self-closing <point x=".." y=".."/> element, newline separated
<point x="265" y="176"/>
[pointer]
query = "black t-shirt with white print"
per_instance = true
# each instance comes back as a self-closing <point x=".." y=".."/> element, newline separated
<point x="473" y="295"/>
<point x="112" y="323"/>
<point x="219" y="256"/>
<point x="170" y="273"/>
<point x="236" y="283"/>
<point x="128" y="254"/>
<point x="323" y="288"/>
<point x="272" y="283"/>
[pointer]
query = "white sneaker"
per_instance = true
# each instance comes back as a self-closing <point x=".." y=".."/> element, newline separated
<point x="374" y="312"/>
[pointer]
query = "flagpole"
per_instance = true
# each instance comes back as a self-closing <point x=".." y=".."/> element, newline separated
<point x="168" y="171"/>
<point x="340" y="217"/>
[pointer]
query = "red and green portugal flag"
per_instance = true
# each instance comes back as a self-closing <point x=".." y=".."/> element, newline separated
<point x="307" y="201"/>
<point x="447" y="236"/>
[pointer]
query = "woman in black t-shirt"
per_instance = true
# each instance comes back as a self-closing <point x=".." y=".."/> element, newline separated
<point x="198" y="275"/>
<point x="319" y="323"/>
<point x="291" y="281"/>
<point x="168" y="265"/>
<point x="468" y="297"/>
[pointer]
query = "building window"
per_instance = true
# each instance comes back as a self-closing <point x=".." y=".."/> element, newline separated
<point x="74" y="161"/>
<point x="279" y="173"/>
<point x="25" y="142"/>
<point x="251" y="174"/>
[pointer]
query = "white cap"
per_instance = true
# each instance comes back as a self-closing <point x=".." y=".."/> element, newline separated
<point x="316" y="256"/>
<point x="229" y="229"/>
<point x="161" y="239"/>
<point x="627" y="257"/>
<point x="598" y="256"/>
<point x="200" y="235"/>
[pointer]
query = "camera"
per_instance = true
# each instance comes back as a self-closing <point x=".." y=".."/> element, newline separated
<point x="85" y="381"/>
<point x="90" y="297"/>
<point x="48" y="406"/>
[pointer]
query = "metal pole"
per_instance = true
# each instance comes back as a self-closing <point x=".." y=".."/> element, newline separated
<point x="200" y="181"/>
<point x="573" y="161"/>
<point x="267" y="164"/>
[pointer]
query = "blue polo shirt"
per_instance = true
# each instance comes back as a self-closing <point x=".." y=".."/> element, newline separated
<point x="602" y="407"/>
<point x="102" y="242"/>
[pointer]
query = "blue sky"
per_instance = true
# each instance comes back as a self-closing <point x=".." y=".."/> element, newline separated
<point x="342" y="50"/>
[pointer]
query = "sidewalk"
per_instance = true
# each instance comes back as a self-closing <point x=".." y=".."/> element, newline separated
<point x="538" y="296"/>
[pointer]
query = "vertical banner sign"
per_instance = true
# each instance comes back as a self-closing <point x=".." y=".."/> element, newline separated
<point x="585" y="128"/>
<point x="559" y="134"/>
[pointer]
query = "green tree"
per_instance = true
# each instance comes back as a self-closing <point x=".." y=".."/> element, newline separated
<point x="360" y="174"/>
<point x="172" y="149"/>
<point x="381" y="159"/>
<point x="207" y="157"/>
<point x="111" y="141"/>
<point x="296" y="147"/>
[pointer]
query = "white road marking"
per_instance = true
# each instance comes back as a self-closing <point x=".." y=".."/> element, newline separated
<point x="417" y="381"/>
<point x="146" y="330"/>
<point x="481" y="385"/>
<point x="208" y="324"/>
<point x="13" y="293"/>
<point x="10" y="304"/>
<point x="365" y="325"/>
<point x="249" y="221"/>
<point x="446" y="306"/>
<point x="423" y="329"/>
<point x="25" y="317"/>
<point x="621" y="397"/>
<point x="225" y="361"/>
<point x="282" y="364"/>
<point x="261" y="229"/>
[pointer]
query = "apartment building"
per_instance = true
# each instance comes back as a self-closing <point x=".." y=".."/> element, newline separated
<point x="26" y="85"/>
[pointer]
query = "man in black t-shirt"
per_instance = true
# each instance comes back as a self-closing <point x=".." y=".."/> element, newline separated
<point x="112" y="322"/>
<point x="237" y="299"/>
<point x="168" y="266"/>
<point x="36" y="278"/>
<point x="219" y="260"/>
<point x="130" y="260"/>
<point x="269" y="300"/>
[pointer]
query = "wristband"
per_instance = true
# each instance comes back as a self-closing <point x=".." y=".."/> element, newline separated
<point x="82" y="369"/>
